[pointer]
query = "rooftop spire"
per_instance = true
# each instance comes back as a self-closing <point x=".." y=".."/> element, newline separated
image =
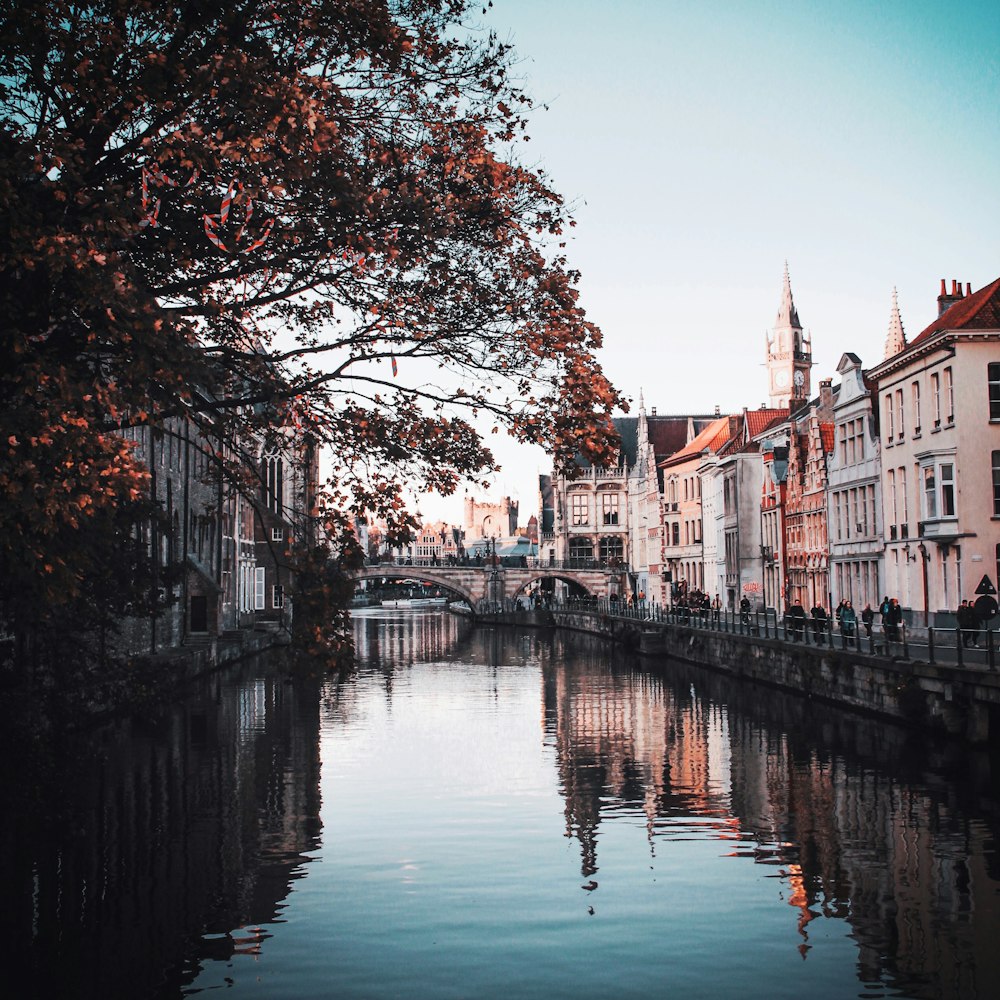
<point x="895" y="340"/>
<point x="787" y="316"/>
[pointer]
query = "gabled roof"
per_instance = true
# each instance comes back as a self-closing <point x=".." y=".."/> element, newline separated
<point x="668" y="433"/>
<point x="711" y="438"/>
<point x="978" y="311"/>
<point x="761" y="420"/>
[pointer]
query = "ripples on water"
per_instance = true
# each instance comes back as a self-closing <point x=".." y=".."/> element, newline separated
<point x="479" y="814"/>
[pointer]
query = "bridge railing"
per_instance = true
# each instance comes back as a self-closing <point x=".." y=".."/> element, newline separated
<point x="510" y="562"/>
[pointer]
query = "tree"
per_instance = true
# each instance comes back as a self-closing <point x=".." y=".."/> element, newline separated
<point x="311" y="214"/>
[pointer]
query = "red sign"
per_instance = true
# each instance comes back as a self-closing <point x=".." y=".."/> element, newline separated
<point x="751" y="588"/>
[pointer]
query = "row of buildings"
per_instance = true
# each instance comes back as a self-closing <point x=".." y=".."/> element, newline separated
<point x="885" y="483"/>
<point x="228" y="519"/>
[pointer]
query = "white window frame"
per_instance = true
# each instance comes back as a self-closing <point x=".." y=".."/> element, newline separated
<point x="258" y="588"/>
<point x="579" y="504"/>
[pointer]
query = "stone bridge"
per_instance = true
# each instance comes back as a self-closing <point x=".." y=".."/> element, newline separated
<point x="475" y="584"/>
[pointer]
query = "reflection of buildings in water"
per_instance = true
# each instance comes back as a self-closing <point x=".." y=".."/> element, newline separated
<point x="851" y="841"/>
<point x="151" y="838"/>
<point x="387" y="639"/>
<point x="624" y="742"/>
<point x="856" y="844"/>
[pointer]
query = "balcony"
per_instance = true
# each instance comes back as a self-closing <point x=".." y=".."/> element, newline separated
<point x="942" y="529"/>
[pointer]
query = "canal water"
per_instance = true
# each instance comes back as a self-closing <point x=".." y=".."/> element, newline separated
<point x="484" y="813"/>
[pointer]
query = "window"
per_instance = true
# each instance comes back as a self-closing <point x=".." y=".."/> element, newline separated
<point x="904" y="511"/>
<point x="892" y="498"/>
<point x="277" y="596"/>
<point x="272" y="482"/>
<point x="609" y="508"/>
<point x="277" y="534"/>
<point x="993" y="371"/>
<point x="581" y="551"/>
<point x="947" y="489"/>
<point x="915" y="389"/>
<point x="949" y="395"/>
<point x="889" y="423"/>
<point x="611" y="549"/>
<point x="930" y="494"/>
<point x="996" y="484"/>
<point x="579" y="508"/>
<point x="258" y="588"/>
<point x="936" y="398"/>
<point x="675" y="534"/>
<point x="899" y="413"/>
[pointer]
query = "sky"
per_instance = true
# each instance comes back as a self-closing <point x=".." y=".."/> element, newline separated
<point x="704" y="145"/>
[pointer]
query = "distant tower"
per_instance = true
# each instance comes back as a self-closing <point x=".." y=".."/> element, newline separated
<point x="895" y="339"/>
<point x="789" y="354"/>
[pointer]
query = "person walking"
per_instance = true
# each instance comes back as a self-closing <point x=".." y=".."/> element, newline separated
<point x="867" y="617"/>
<point x="819" y="620"/>
<point x="892" y="619"/>
<point x="848" y="622"/>
<point x="797" y="614"/>
<point x="963" y="618"/>
<point x="716" y="609"/>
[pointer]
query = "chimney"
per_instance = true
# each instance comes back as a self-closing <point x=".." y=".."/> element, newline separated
<point x="826" y="399"/>
<point x="946" y="301"/>
<point x="968" y="288"/>
<point x="652" y="411"/>
<point x="717" y="411"/>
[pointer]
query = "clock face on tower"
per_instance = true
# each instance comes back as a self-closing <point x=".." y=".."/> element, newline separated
<point x="781" y="379"/>
<point x="800" y="378"/>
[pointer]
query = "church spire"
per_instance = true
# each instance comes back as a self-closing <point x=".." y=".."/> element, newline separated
<point x="895" y="340"/>
<point x="787" y="315"/>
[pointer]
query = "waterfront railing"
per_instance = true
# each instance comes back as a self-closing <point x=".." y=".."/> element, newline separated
<point x="934" y="645"/>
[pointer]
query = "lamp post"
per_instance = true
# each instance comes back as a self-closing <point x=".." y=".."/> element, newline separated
<point x="494" y="585"/>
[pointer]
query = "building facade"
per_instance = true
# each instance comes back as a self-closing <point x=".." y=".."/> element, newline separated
<point x="854" y="506"/>
<point x="939" y="404"/>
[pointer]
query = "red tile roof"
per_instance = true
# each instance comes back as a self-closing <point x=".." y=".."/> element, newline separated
<point x="712" y="437"/>
<point x="978" y="311"/>
<point x="759" y="421"/>
<point x="827" y="431"/>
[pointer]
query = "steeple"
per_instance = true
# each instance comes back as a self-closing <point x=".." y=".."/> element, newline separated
<point x="787" y="316"/>
<point x="895" y="340"/>
<point x="789" y="352"/>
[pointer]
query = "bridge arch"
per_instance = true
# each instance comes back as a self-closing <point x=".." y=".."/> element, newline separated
<point x="425" y="574"/>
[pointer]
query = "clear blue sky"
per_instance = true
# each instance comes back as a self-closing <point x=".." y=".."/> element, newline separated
<point x="704" y="144"/>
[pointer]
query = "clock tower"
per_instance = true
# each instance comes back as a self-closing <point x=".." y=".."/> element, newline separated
<point x="789" y="354"/>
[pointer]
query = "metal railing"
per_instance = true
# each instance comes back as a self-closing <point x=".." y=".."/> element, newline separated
<point x="948" y="646"/>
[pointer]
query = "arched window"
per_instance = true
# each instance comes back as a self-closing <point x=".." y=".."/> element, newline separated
<point x="272" y="481"/>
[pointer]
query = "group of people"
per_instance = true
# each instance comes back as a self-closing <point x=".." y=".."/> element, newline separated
<point x="969" y="624"/>
<point x="847" y="620"/>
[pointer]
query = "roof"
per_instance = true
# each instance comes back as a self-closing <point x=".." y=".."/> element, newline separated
<point x="667" y="434"/>
<point x="978" y="311"/>
<point x="711" y="438"/>
<point x="827" y="431"/>
<point x="759" y="421"/>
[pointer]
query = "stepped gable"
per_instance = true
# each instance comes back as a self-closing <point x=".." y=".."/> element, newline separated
<point x="976" y="311"/>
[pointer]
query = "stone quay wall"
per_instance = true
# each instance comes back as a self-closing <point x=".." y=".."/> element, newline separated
<point x="961" y="702"/>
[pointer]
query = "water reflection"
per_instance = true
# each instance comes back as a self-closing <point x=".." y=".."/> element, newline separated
<point x="179" y="856"/>
<point x="864" y="822"/>
<point x="129" y="858"/>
